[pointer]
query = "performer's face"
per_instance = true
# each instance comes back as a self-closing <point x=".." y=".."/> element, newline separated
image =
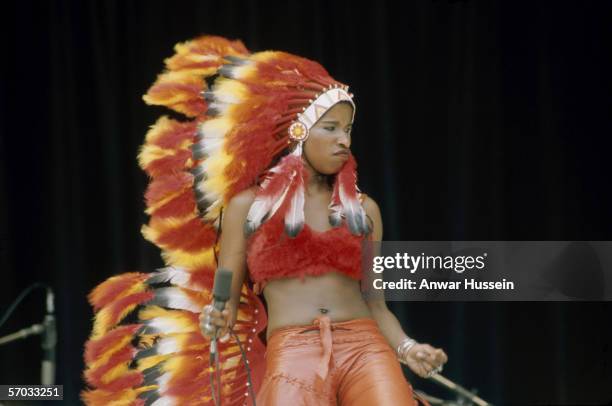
<point x="331" y="134"/>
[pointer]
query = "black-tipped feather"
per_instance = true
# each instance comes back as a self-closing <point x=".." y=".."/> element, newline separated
<point x="198" y="152"/>
<point x="226" y="70"/>
<point x="235" y="60"/>
<point x="144" y="353"/>
<point x="149" y="396"/>
<point x="209" y="96"/>
<point x="151" y="374"/>
<point x="293" y="230"/>
<point x="212" y="112"/>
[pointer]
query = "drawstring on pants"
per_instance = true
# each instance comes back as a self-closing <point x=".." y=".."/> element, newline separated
<point x="323" y="323"/>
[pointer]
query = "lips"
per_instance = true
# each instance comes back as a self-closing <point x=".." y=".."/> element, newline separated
<point x="341" y="153"/>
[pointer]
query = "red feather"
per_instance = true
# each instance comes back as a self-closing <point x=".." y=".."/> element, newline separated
<point x="108" y="291"/>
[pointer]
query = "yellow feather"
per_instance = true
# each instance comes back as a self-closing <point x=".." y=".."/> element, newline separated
<point x="149" y="362"/>
<point x="174" y="364"/>
<point x="216" y="183"/>
<point x="264" y="56"/>
<point x="147" y="340"/>
<point x="146" y="388"/>
<point x="244" y="72"/>
<point x="160" y="203"/>
<point x="158" y="226"/>
<point x="115" y="372"/>
<point x="188" y="260"/>
<point x="162" y="125"/>
<point x="109" y="352"/>
<point x="103" y="322"/>
<point x="173" y="78"/>
<point x="230" y="90"/>
<point x="182" y="48"/>
<point x="152" y="152"/>
<point x="151" y="312"/>
<point x="217" y="127"/>
<point x="176" y="322"/>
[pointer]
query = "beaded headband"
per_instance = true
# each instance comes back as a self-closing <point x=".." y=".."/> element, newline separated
<point x="300" y="128"/>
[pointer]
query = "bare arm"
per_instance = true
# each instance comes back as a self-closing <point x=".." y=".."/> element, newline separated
<point x="387" y="322"/>
<point x="422" y="357"/>
<point x="232" y="255"/>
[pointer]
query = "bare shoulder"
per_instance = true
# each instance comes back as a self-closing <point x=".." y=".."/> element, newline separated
<point x="373" y="214"/>
<point x="234" y="216"/>
<point x="370" y="206"/>
<point x="241" y="201"/>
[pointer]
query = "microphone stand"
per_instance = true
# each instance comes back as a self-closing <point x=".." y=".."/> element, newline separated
<point x="47" y="329"/>
<point x="34" y="329"/>
<point x="458" y="389"/>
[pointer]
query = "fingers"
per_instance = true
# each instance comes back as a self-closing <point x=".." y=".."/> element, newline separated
<point x="437" y="355"/>
<point x="225" y="335"/>
<point x="420" y="368"/>
<point x="430" y="360"/>
<point x="426" y="361"/>
<point x="212" y="320"/>
<point x="436" y="358"/>
<point x="425" y="367"/>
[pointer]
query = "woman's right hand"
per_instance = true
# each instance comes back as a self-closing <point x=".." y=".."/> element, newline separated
<point x="211" y="317"/>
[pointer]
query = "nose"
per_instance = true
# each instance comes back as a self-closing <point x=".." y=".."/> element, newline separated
<point x="344" y="140"/>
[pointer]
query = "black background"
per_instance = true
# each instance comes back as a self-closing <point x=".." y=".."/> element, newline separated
<point x="476" y="120"/>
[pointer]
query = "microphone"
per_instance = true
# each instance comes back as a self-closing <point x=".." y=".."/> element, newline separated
<point x="221" y="294"/>
<point x="48" y="342"/>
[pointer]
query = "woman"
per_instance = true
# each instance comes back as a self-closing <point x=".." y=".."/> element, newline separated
<point x="266" y="151"/>
<point x="376" y="379"/>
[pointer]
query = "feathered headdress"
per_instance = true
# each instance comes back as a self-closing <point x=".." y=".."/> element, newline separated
<point x="243" y="111"/>
<point x="259" y="104"/>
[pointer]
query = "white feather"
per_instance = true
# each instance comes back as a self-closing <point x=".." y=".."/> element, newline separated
<point x="211" y="145"/>
<point x="212" y="212"/>
<point x="220" y="106"/>
<point x="240" y="71"/>
<point x="263" y="205"/>
<point x="174" y="275"/>
<point x="352" y="210"/>
<point x="174" y="298"/>
<point x="164" y="400"/>
<point x="214" y="128"/>
<point x="167" y="345"/>
<point x="335" y="208"/>
<point x="295" y="214"/>
<point x="167" y="325"/>
<point x="280" y="200"/>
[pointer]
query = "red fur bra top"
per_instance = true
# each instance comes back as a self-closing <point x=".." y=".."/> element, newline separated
<point x="271" y="254"/>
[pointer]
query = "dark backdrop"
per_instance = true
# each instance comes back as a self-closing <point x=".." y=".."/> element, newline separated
<point x="476" y="120"/>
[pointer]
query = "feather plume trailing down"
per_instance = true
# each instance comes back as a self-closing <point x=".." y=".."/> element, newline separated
<point x="335" y="206"/>
<point x="273" y="192"/>
<point x="294" y="215"/>
<point x="347" y="191"/>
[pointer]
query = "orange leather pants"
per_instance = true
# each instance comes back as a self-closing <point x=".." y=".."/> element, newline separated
<point x="348" y="363"/>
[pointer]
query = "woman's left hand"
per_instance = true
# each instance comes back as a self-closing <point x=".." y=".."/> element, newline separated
<point x="425" y="360"/>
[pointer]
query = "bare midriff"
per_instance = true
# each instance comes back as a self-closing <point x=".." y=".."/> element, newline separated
<point x="293" y="302"/>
